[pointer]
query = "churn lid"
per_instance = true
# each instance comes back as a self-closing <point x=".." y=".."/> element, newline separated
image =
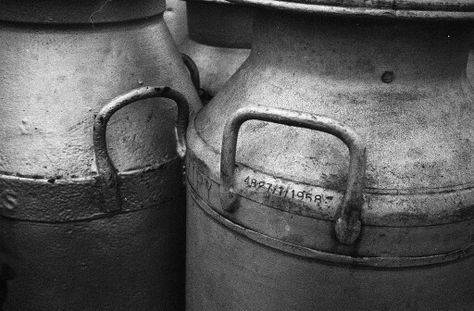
<point x="78" y="12"/>
<point x="406" y="9"/>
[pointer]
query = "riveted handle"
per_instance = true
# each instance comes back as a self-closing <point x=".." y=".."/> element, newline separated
<point x="105" y="167"/>
<point x="348" y="225"/>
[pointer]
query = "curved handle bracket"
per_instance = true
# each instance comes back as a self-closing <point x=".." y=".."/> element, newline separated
<point x="193" y="70"/>
<point x="348" y="225"/>
<point x="204" y="95"/>
<point x="105" y="167"/>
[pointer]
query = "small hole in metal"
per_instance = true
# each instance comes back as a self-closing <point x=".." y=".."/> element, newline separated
<point x="388" y="76"/>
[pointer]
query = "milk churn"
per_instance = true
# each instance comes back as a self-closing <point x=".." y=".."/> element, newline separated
<point x="334" y="170"/>
<point x="92" y="208"/>
<point x="219" y="35"/>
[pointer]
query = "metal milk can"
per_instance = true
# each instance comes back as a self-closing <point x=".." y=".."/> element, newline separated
<point x="219" y="35"/>
<point x="335" y="171"/>
<point x="91" y="189"/>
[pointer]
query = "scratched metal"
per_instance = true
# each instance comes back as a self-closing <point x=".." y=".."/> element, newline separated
<point x="401" y="86"/>
<point x="218" y="40"/>
<point x="70" y="244"/>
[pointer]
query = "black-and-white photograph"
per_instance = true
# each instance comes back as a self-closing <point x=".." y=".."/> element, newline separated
<point x="237" y="155"/>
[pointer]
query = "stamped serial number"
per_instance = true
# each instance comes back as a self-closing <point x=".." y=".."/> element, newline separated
<point x="285" y="191"/>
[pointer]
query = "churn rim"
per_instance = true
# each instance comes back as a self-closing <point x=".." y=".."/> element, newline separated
<point x="78" y="12"/>
<point x="401" y="9"/>
<point x="211" y="1"/>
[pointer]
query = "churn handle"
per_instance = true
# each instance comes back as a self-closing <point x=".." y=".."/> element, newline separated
<point x="195" y="78"/>
<point x="193" y="70"/>
<point x="348" y="225"/>
<point x="106" y="169"/>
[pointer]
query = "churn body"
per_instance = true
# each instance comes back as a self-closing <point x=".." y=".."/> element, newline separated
<point x="70" y="245"/>
<point x="219" y="35"/>
<point x="334" y="170"/>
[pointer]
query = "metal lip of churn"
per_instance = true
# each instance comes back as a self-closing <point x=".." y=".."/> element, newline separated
<point x="376" y="212"/>
<point x="431" y="9"/>
<point x="91" y="192"/>
<point x="87" y="12"/>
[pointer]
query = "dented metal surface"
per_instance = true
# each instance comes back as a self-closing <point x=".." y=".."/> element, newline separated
<point x="72" y="245"/>
<point x="401" y="86"/>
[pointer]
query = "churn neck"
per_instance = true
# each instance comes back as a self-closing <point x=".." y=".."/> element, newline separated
<point x="362" y="49"/>
<point x="220" y="23"/>
<point x="78" y="12"/>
